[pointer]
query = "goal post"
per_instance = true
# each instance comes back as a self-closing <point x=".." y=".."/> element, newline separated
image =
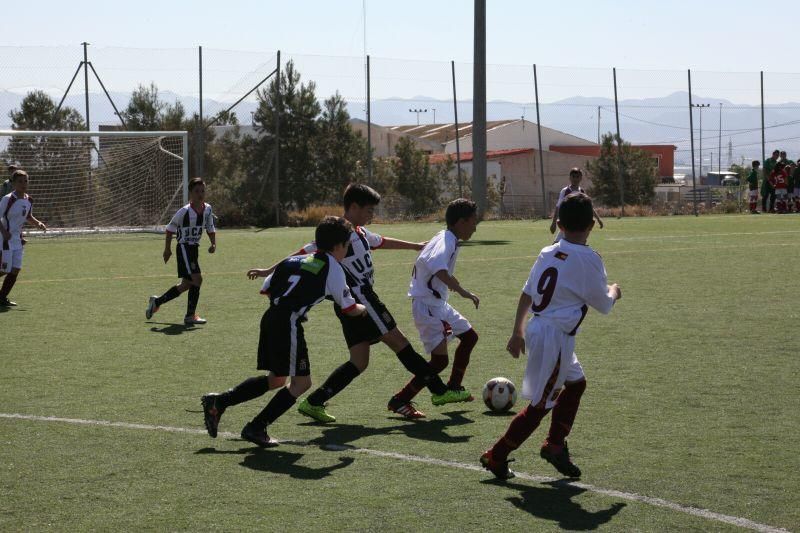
<point x="100" y="181"/>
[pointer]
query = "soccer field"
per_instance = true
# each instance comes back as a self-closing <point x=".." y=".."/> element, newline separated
<point x="689" y="422"/>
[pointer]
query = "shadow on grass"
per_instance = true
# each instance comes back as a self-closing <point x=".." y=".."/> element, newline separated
<point x="553" y="501"/>
<point x="500" y="414"/>
<point x="430" y="430"/>
<point x="279" y="462"/>
<point x="171" y="329"/>
<point x="484" y="243"/>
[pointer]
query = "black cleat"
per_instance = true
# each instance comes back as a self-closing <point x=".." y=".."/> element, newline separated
<point x="5" y="302"/>
<point x="212" y="412"/>
<point x="258" y="436"/>
<point x="560" y="460"/>
<point x="498" y="468"/>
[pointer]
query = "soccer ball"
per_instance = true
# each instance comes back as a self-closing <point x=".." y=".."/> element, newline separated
<point x="499" y="394"/>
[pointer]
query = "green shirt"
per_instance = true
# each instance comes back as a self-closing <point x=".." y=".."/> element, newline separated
<point x="5" y="188"/>
<point x="752" y="180"/>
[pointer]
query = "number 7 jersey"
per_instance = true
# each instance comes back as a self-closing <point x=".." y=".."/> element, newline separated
<point x="565" y="281"/>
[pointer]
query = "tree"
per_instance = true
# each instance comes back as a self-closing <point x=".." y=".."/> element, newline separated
<point x="415" y="180"/>
<point x="147" y="112"/>
<point x="339" y="150"/>
<point x="638" y="174"/>
<point x="51" y="161"/>
<point x="298" y="141"/>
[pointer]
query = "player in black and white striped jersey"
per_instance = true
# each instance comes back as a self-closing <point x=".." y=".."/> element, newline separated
<point x="575" y="177"/>
<point x="188" y="225"/>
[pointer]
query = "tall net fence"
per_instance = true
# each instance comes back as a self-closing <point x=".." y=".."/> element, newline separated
<point x="86" y="182"/>
<point x="529" y="156"/>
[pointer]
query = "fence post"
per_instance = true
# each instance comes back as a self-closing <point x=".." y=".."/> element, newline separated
<point x="200" y="140"/>
<point x="458" y="142"/>
<point x="545" y="206"/>
<point x="619" y="151"/>
<point x="691" y="141"/>
<point x="86" y="83"/>
<point x="763" y="134"/>
<point x="369" y="127"/>
<point x="479" y="109"/>
<point x="276" y="185"/>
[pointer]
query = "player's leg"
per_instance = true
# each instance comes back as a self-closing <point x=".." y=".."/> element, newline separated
<point x="191" y="302"/>
<point x="314" y="405"/>
<point x="565" y="408"/>
<point x="12" y="264"/>
<point x="182" y="260"/>
<point x="214" y="404"/>
<point x="467" y="339"/>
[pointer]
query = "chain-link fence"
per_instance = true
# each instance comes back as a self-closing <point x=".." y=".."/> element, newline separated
<point x="699" y="129"/>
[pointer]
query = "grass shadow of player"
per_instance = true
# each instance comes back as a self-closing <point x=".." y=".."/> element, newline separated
<point x="553" y="501"/>
<point x="473" y="242"/>
<point x="499" y="414"/>
<point x="172" y="329"/>
<point x="280" y="462"/>
<point x="430" y="430"/>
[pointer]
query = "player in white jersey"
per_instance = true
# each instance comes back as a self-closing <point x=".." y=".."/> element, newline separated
<point x="188" y="224"/>
<point x="16" y="208"/>
<point x="575" y="177"/>
<point x="567" y="278"/>
<point x="431" y="279"/>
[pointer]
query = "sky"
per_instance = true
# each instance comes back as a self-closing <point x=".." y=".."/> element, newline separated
<point x="707" y="35"/>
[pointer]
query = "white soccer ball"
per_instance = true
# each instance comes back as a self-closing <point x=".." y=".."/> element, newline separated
<point x="499" y="394"/>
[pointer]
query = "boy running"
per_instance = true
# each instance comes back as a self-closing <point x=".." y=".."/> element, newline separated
<point x="434" y="318"/>
<point x="567" y="278"/>
<point x="752" y="186"/>
<point x="188" y="224"/>
<point x="779" y="181"/>
<point x="15" y="209"/>
<point x="294" y="287"/>
<point x="575" y="177"/>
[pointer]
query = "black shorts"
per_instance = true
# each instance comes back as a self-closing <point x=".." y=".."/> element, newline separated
<point x="186" y="257"/>
<point x="376" y="323"/>
<point x="281" y="344"/>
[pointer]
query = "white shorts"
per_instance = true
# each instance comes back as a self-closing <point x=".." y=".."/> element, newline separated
<point x="11" y="259"/>
<point x="753" y="195"/>
<point x="436" y="323"/>
<point x="551" y="363"/>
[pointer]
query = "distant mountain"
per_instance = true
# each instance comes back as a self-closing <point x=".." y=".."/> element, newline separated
<point x="663" y="120"/>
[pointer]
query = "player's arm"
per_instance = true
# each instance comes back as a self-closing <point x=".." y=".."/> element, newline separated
<point x="254" y="273"/>
<point x="213" y="238"/>
<point x="211" y="230"/>
<point x="555" y="218"/>
<point x="516" y="344"/>
<point x="4" y="219"/>
<point x="167" y="245"/>
<point x="453" y="284"/>
<point x="596" y="216"/>
<point x="599" y="294"/>
<point x="336" y="286"/>
<point x="35" y="221"/>
<point x="397" y="244"/>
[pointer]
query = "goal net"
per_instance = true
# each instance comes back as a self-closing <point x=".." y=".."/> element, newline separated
<point x="93" y="182"/>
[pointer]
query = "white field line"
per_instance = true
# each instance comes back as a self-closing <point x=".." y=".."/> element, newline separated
<point x="411" y="263"/>
<point x="696" y="235"/>
<point x="630" y="496"/>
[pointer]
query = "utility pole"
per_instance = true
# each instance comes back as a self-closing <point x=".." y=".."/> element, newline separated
<point x="479" y="108"/>
<point x="86" y="83"/>
<point x="701" y="106"/>
<point x="719" y="151"/>
<point x="417" y="111"/>
<point x="598" y="124"/>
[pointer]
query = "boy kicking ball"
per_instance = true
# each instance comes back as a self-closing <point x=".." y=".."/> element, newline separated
<point x="567" y="278"/>
<point x="188" y="223"/>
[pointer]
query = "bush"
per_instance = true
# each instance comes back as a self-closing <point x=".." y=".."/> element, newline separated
<point x="312" y="215"/>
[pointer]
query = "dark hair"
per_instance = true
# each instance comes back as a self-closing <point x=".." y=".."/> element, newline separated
<point x="780" y="165"/>
<point x="576" y="170"/>
<point x="458" y="209"/>
<point x="12" y="168"/>
<point x="17" y="173"/>
<point x="776" y="152"/>
<point x="332" y="231"/>
<point x="756" y="163"/>
<point x="363" y="195"/>
<point x="194" y="182"/>
<point x="783" y="152"/>
<point x="575" y="212"/>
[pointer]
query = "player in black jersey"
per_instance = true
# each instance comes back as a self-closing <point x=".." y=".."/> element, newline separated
<point x="296" y="285"/>
<point x="187" y="224"/>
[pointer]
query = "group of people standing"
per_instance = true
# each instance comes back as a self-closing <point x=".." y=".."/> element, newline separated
<point x="780" y="185"/>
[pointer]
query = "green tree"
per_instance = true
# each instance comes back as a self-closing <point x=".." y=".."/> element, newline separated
<point x="415" y="180"/>
<point x="51" y="161"/>
<point x="638" y="174"/>
<point x="147" y="112"/>
<point x="299" y="129"/>
<point x="339" y="150"/>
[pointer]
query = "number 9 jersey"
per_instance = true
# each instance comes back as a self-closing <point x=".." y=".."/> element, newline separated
<point x="565" y="278"/>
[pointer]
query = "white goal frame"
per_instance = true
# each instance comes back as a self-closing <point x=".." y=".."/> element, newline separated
<point x="183" y="158"/>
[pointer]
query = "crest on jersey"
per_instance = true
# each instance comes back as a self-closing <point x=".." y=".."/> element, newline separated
<point x="312" y="264"/>
<point x="561" y="255"/>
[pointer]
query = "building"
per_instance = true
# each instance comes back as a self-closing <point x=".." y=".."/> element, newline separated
<point x="664" y="154"/>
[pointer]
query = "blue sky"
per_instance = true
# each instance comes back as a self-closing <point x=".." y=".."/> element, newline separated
<point x="707" y="35"/>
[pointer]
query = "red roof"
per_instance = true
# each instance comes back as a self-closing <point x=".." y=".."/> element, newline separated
<point x="467" y="156"/>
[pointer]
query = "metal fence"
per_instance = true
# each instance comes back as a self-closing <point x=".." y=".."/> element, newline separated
<point x="727" y="118"/>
